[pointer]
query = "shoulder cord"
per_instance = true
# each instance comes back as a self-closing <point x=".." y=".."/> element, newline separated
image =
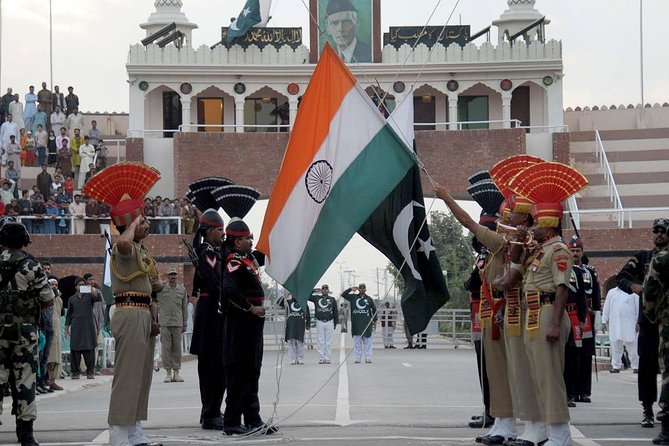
<point x="145" y="267"/>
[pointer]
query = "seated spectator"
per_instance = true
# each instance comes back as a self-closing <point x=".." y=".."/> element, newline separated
<point x="26" y="210"/>
<point x="39" y="211"/>
<point x="52" y="212"/>
<point x="13" y="209"/>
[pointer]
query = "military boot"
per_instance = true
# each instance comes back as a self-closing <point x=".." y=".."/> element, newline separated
<point x="648" y="419"/>
<point x="176" y="377"/>
<point x="168" y="376"/>
<point x="24" y="433"/>
<point x="663" y="437"/>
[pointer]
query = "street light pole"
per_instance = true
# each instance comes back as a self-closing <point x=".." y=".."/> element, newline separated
<point x="50" y="46"/>
<point x="0" y="42"/>
<point x="643" y="101"/>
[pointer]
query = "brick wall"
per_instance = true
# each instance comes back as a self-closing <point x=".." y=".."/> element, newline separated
<point x="254" y="159"/>
<point x="561" y="149"/>
<point x="134" y="149"/>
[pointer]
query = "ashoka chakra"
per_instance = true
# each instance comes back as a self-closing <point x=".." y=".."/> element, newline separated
<point x="318" y="180"/>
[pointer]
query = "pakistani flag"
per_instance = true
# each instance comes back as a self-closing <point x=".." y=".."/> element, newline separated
<point x="399" y="230"/>
<point x="249" y="17"/>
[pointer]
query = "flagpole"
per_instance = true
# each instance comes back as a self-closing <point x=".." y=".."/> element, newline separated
<point x="0" y="42"/>
<point x="50" y="46"/>
<point x="643" y="102"/>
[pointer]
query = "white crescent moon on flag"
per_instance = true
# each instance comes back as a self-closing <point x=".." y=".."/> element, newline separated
<point x="233" y="26"/>
<point x="401" y="236"/>
<point x="357" y="304"/>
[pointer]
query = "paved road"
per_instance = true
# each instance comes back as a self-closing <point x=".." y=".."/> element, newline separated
<point x="405" y="397"/>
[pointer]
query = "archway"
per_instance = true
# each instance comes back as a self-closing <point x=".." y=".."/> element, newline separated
<point x="266" y="110"/>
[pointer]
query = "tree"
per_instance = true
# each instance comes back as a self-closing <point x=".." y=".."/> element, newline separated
<point x="456" y="257"/>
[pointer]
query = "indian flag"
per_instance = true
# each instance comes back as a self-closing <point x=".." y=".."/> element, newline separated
<point x="342" y="160"/>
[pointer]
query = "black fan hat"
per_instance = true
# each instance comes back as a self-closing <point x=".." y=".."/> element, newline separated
<point x="236" y="200"/>
<point x="486" y="194"/>
<point x="200" y="192"/>
<point x="479" y="176"/>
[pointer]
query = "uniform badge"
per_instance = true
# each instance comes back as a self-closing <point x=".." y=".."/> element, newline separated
<point x="232" y="267"/>
<point x="211" y="261"/>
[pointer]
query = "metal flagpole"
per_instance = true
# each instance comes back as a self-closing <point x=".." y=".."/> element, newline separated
<point x="0" y="42"/>
<point x="50" y="47"/>
<point x="643" y="102"/>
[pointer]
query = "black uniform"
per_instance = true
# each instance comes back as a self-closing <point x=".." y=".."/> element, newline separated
<point x="207" y="341"/>
<point x="577" y="309"/>
<point x="243" y="345"/>
<point x="593" y="299"/>
<point x="649" y="338"/>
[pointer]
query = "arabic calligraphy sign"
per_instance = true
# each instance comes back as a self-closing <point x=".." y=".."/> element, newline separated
<point x="261" y="37"/>
<point x="430" y="35"/>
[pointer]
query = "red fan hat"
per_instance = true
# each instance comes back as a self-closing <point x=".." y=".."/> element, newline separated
<point x="504" y="211"/>
<point x="547" y="185"/>
<point x="504" y="171"/>
<point x="123" y="187"/>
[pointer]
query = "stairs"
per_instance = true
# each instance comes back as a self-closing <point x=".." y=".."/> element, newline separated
<point x="639" y="161"/>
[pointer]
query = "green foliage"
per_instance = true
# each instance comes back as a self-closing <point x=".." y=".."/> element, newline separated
<point x="456" y="256"/>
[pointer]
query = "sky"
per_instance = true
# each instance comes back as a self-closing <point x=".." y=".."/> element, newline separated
<point x="91" y="39"/>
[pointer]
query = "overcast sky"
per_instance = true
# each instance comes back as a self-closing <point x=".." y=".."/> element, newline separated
<point x="91" y="38"/>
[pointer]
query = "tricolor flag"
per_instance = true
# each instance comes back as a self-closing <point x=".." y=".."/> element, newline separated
<point x="342" y="160"/>
<point x="107" y="293"/>
<point x="399" y="230"/>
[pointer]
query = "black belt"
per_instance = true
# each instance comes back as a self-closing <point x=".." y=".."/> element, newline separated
<point x="546" y="298"/>
<point x="498" y="294"/>
<point x="324" y="320"/>
<point x="132" y="298"/>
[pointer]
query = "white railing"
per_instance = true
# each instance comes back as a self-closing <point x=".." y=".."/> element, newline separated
<point x="66" y="222"/>
<point x="623" y="215"/>
<point x="187" y="128"/>
<point x="608" y="176"/>
<point x="514" y="123"/>
<point x="547" y="128"/>
<point x="574" y="212"/>
<point x="141" y="133"/>
<point x="118" y="148"/>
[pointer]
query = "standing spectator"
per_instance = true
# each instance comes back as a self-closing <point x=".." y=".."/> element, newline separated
<point x="58" y="99"/>
<point x="74" y="121"/>
<point x="620" y="315"/>
<point x="91" y="172"/>
<point x="65" y="160"/>
<point x="45" y="98"/>
<point x="72" y="100"/>
<point x="344" y="314"/>
<point x="13" y="209"/>
<point x="39" y="211"/>
<point x="388" y="318"/>
<point x="94" y="134"/>
<point x="57" y="118"/>
<point x="164" y="210"/>
<point x="105" y="221"/>
<point x="363" y="314"/>
<point x="41" y="142"/>
<point x="325" y="312"/>
<point x="92" y="225"/>
<point x="87" y="154"/>
<point x="150" y="212"/>
<point x="30" y="149"/>
<point x="55" y="352"/>
<point x="57" y="184"/>
<point x="44" y="181"/>
<point x="51" y="150"/>
<point x="297" y="320"/>
<point x="6" y="99"/>
<point x="78" y="210"/>
<point x="26" y="210"/>
<point x="14" y="175"/>
<point x="101" y="152"/>
<point x="98" y="314"/>
<point x="7" y="193"/>
<point x="75" y="142"/>
<point x="46" y="327"/>
<point x="80" y="327"/>
<point x="51" y="214"/>
<point x="68" y="186"/>
<point x="173" y="306"/>
<point x="40" y="118"/>
<point x="16" y="110"/>
<point x="62" y="136"/>
<point x="7" y="130"/>
<point x="30" y="108"/>
<point x="36" y="193"/>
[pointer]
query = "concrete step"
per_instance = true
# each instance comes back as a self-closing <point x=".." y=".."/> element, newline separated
<point x="619" y="135"/>
<point x="629" y="190"/>
<point x="639" y="167"/>
<point x="597" y="179"/>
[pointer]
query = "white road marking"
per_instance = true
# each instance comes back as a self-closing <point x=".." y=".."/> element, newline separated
<point x="578" y="437"/>
<point x="406" y="364"/>
<point x="102" y="438"/>
<point x="342" y="414"/>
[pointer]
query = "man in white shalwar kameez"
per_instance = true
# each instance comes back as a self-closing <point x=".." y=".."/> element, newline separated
<point x="621" y="312"/>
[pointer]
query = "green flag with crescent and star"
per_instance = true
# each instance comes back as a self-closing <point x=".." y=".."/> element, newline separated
<point x="249" y="17"/>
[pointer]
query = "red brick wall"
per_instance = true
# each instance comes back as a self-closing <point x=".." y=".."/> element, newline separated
<point x="134" y="149"/>
<point x="254" y="159"/>
<point x="561" y="149"/>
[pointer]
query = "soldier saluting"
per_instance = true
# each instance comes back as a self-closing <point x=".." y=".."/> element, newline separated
<point x="24" y="289"/>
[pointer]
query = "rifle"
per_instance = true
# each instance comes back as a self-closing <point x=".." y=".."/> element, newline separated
<point x="191" y="254"/>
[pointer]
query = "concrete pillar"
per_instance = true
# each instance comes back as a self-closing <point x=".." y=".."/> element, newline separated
<point x="292" y="110"/>
<point x="452" y="110"/>
<point x="506" y="110"/>
<point x="239" y="113"/>
<point x="136" y="110"/>
<point x="553" y="104"/>
<point x="185" y="115"/>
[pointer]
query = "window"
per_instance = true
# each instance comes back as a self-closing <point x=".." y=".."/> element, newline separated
<point x="260" y="111"/>
<point x="473" y="108"/>
<point x="171" y="112"/>
<point x="425" y="110"/>
<point x="210" y="112"/>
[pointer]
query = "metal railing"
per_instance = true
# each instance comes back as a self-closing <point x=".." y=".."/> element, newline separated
<point x="623" y="215"/>
<point x="118" y="148"/>
<point x="573" y="210"/>
<point x="514" y="123"/>
<point x="186" y="128"/>
<point x="547" y="128"/>
<point x="66" y="222"/>
<point x="608" y="176"/>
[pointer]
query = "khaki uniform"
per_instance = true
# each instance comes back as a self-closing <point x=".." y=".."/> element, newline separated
<point x="549" y="267"/>
<point x="495" y="350"/>
<point x="131" y="328"/>
<point x="173" y="305"/>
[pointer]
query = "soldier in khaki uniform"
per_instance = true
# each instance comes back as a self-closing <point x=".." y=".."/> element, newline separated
<point x="134" y="277"/>
<point x="547" y="272"/>
<point x="173" y="305"/>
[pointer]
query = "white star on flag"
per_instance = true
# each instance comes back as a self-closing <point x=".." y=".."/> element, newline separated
<point x="426" y="247"/>
<point x="246" y="11"/>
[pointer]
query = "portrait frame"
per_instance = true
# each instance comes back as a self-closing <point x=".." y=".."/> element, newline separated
<point x="364" y="32"/>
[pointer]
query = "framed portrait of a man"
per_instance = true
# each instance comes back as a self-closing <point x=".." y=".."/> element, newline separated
<point x="347" y="26"/>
